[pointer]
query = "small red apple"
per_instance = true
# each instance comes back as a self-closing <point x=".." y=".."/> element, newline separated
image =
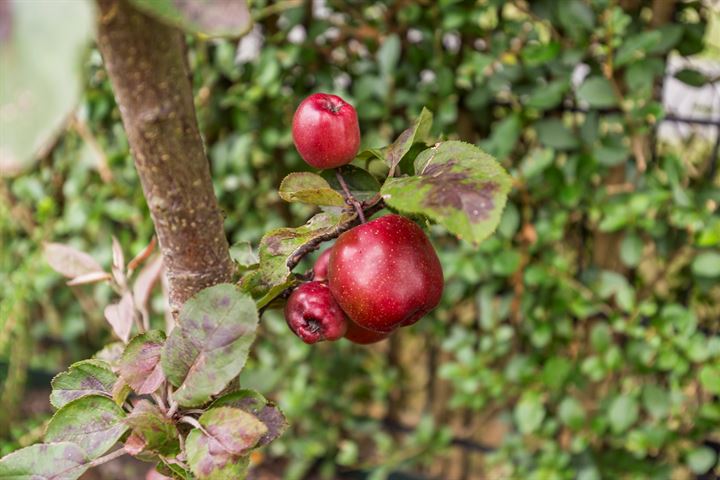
<point x="385" y="274"/>
<point x="357" y="334"/>
<point x="313" y="314"/>
<point x="321" y="266"/>
<point x="325" y="131"/>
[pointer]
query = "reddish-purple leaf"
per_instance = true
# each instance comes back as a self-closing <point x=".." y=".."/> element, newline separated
<point x="140" y="363"/>
<point x="231" y="430"/>
<point x="145" y="281"/>
<point x="118" y="257"/>
<point x="142" y="256"/>
<point x="118" y="262"/>
<point x="68" y="261"/>
<point x="265" y="411"/>
<point x="135" y="444"/>
<point x="92" y="277"/>
<point x="120" y="316"/>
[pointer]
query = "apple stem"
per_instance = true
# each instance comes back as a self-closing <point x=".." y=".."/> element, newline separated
<point x="349" y="198"/>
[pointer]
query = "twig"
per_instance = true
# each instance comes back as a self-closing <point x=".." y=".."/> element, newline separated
<point x="107" y="458"/>
<point x="349" y="198"/>
<point x="334" y="233"/>
<point x="102" y="164"/>
<point x="98" y="461"/>
<point x="173" y="405"/>
<point x="193" y="422"/>
<point x="158" y="399"/>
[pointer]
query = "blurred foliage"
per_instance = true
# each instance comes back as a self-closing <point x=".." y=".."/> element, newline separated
<point x="580" y="341"/>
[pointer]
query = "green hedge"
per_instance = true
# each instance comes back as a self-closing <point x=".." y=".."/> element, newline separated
<point x="585" y="330"/>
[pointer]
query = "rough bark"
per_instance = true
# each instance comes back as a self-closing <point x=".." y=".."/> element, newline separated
<point x="146" y="64"/>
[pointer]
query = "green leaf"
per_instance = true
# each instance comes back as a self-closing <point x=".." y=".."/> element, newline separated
<point x="701" y="460"/>
<point x="575" y="15"/>
<point x="458" y="185"/>
<point x="623" y="413"/>
<point x="600" y="337"/>
<point x="173" y="470"/>
<point x="536" y="161"/>
<point x="692" y="77"/>
<point x="45" y="461"/>
<point x="277" y="247"/>
<point x="40" y="86"/>
<point x="210" y="344"/>
<point x="243" y="256"/>
<point x="545" y="97"/>
<point x="571" y="413"/>
<point x="504" y="136"/>
<point x="553" y="133"/>
<point x="540" y="53"/>
<point x="556" y="371"/>
<point x="310" y="188"/>
<point x="256" y="404"/>
<point x="417" y="133"/>
<point x="529" y="413"/>
<point x="710" y="378"/>
<point x="94" y="423"/>
<point x="631" y="249"/>
<point x="361" y="183"/>
<point x="636" y="47"/>
<point x="388" y="55"/>
<point x="87" y="377"/>
<point x="670" y="35"/>
<point x="613" y="284"/>
<point x="610" y="154"/>
<point x="209" y="18"/>
<point x="156" y="430"/>
<point x="140" y="366"/>
<point x="656" y="401"/>
<point x="707" y="264"/>
<point x="597" y="92"/>
<point x="366" y="155"/>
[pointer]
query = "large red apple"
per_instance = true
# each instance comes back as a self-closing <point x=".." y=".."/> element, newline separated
<point x="325" y="131"/>
<point x="385" y="274"/>
<point x="357" y="334"/>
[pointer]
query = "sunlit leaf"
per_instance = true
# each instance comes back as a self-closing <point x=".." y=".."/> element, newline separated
<point x="457" y="185"/>
<point x="310" y="188"/>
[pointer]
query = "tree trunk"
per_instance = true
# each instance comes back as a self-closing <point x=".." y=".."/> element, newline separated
<point x="146" y="64"/>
